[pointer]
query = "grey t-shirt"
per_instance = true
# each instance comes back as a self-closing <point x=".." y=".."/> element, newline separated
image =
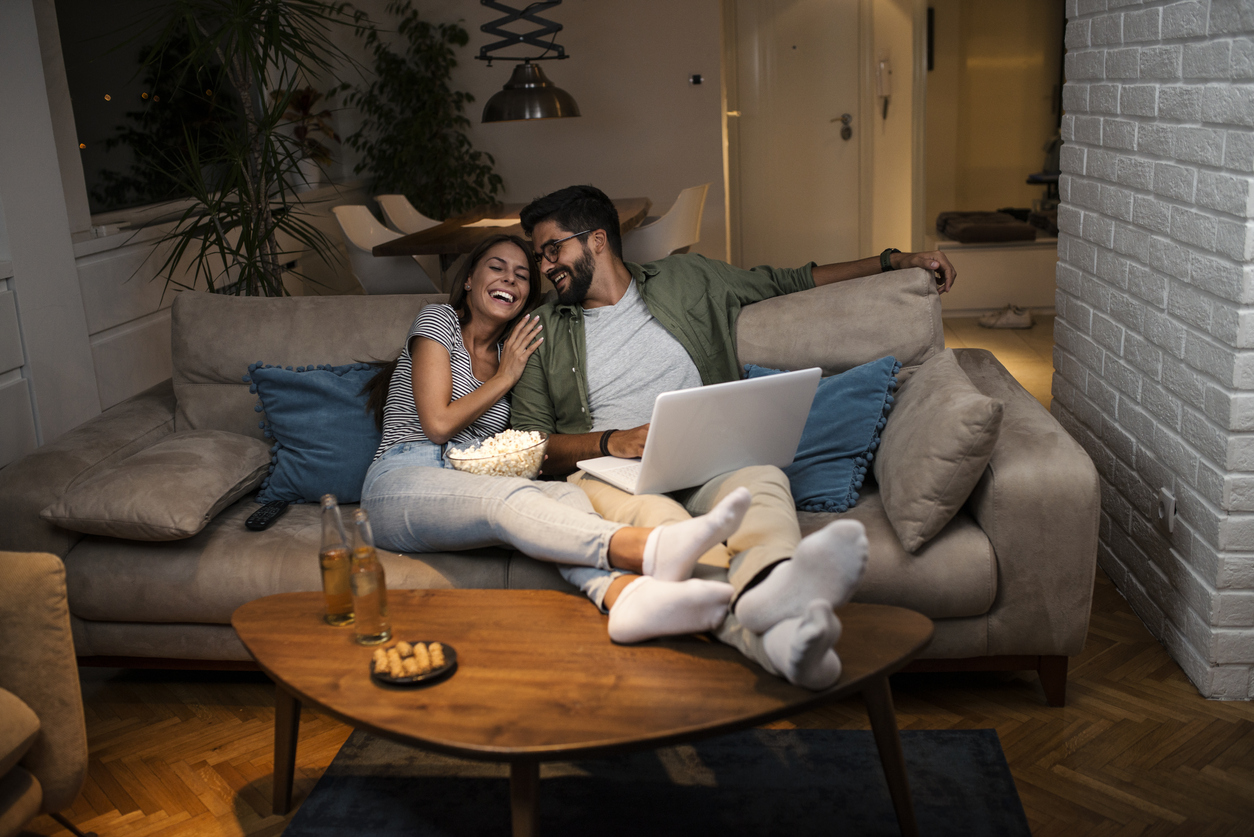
<point x="631" y="360"/>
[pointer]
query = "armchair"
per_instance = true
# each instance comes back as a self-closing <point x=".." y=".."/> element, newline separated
<point x="43" y="739"/>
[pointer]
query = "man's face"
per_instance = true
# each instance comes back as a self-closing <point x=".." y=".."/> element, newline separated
<point x="572" y="268"/>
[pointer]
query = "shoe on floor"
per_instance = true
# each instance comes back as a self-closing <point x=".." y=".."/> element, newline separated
<point x="1012" y="316"/>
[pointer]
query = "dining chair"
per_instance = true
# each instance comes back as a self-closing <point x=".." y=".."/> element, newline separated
<point x="400" y="215"/>
<point x="674" y="232"/>
<point x="379" y="274"/>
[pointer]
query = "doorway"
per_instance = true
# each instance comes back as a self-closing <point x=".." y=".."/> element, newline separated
<point x="794" y="132"/>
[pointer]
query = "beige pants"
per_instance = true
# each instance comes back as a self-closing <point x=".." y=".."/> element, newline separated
<point x="768" y="534"/>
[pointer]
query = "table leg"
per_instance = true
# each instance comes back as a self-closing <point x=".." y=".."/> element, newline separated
<point x="286" y="731"/>
<point x="879" y="706"/>
<point x="524" y="792"/>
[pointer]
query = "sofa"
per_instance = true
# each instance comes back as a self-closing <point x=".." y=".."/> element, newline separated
<point x="1008" y="580"/>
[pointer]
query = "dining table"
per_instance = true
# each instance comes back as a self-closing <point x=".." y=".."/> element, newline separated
<point x="461" y="234"/>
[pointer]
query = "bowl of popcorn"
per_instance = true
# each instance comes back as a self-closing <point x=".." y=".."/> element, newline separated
<point x="514" y="453"/>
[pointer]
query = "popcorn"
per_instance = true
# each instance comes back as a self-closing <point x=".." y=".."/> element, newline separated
<point x="513" y="453"/>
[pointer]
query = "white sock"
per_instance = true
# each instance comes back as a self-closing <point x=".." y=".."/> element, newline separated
<point x="827" y="565"/>
<point x="801" y="647"/>
<point x="671" y="552"/>
<point x="649" y="608"/>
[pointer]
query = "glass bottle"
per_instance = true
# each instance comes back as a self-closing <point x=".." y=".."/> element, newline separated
<point x="370" y="592"/>
<point x="336" y="562"/>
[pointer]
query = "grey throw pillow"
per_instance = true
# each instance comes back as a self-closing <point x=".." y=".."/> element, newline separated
<point x="168" y="491"/>
<point x="934" y="448"/>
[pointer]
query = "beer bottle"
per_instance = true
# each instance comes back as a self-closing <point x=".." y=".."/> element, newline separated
<point x="370" y="597"/>
<point x="336" y="562"/>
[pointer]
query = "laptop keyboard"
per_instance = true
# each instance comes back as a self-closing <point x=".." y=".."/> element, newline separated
<point x="629" y="471"/>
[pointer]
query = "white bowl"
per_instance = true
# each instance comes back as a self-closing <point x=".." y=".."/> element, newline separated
<point x="524" y="462"/>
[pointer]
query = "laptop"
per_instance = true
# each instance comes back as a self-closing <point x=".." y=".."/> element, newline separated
<point x="696" y="434"/>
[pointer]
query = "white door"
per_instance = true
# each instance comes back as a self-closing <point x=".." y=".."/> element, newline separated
<point x="793" y="72"/>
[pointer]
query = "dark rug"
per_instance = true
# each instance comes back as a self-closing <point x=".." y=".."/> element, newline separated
<point x="757" y="782"/>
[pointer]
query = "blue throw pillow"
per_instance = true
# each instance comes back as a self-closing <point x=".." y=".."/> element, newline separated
<point x="841" y="434"/>
<point x="324" y="436"/>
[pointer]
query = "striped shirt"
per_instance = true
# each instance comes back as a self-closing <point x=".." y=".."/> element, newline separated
<point x="400" y="415"/>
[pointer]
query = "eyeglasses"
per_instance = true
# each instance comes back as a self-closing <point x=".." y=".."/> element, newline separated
<point x="553" y="249"/>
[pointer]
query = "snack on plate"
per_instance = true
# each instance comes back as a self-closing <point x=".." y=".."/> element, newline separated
<point x="401" y="660"/>
<point x="395" y="667"/>
<point x="512" y="453"/>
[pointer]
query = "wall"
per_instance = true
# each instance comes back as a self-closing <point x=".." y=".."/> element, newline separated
<point x="52" y="388"/>
<point x="644" y="130"/>
<point x="1154" y="368"/>
<point x="990" y="105"/>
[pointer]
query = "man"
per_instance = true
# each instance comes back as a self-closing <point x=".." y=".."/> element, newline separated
<point x="622" y="333"/>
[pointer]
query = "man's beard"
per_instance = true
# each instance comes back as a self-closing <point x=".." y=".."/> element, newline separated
<point x="580" y="280"/>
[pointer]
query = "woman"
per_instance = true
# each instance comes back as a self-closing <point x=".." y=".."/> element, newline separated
<point x="449" y="386"/>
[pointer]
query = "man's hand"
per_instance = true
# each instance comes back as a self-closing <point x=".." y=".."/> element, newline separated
<point x="566" y="449"/>
<point x="628" y="444"/>
<point x="931" y="260"/>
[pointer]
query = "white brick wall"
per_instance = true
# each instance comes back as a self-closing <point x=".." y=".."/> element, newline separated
<point x="1154" y="340"/>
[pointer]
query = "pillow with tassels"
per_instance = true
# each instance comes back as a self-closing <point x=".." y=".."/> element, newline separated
<point x="324" y="435"/>
<point x="840" y="435"/>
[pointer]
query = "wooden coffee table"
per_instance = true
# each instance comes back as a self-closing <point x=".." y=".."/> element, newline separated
<point x="539" y="680"/>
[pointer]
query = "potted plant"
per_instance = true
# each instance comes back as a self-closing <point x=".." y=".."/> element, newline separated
<point x="304" y="122"/>
<point x="242" y="225"/>
<point x="413" y="134"/>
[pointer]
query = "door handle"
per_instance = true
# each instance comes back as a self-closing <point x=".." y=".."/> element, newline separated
<point x="844" y="119"/>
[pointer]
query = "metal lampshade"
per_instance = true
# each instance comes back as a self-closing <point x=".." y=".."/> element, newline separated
<point x="529" y="95"/>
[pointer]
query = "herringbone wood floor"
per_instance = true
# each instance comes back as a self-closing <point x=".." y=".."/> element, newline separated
<point x="1136" y="751"/>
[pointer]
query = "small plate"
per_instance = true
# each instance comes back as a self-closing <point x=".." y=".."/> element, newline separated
<point x="431" y="676"/>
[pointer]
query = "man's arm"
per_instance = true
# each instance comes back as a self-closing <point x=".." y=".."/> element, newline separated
<point x="932" y="260"/>
<point x="565" y="449"/>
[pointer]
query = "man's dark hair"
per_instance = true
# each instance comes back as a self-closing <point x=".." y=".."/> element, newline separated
<point x="576" y="208"/>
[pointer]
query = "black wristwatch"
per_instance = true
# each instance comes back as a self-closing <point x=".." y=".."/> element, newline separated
<point x="886" y="260"/>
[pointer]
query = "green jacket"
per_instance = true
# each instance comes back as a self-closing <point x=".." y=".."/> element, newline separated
<point x="694" y="298"/>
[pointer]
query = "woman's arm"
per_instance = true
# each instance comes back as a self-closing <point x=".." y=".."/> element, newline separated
<point x="432" y="378"/>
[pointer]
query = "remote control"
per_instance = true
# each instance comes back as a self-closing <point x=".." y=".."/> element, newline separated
<point x="265" y="515"/>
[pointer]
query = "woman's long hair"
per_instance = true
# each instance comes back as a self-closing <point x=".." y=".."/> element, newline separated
<point x="376" y="390"/>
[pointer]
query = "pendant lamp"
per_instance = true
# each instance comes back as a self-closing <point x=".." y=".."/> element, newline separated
<point x="528" y="94"/>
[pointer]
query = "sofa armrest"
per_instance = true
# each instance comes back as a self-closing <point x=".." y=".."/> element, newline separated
<point x="38" y="480"/>
<point x="37" y="665"/>
<point x="845" y="324"/>
<point x="1039" y="503"/>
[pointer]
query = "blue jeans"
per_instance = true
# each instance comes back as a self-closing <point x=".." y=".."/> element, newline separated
<point x="418" y="504"/>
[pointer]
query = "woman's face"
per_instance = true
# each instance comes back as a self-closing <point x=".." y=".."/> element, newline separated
<point x="499" y="284"/>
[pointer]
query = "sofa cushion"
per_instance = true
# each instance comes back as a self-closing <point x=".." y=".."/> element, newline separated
<point x="323" y="430"/>
<point x="204" y="578"/>
<point x="953" y="575"/>
<point x="18" y="727"/>
<point x="213" y="338"/>
<point x="845" y="324"/>
<point x="840" y="435"/>
<point x="165" y="492"/>
<point x="934" y="448"/>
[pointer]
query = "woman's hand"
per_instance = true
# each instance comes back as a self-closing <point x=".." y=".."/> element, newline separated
<point x="519" y="346"/>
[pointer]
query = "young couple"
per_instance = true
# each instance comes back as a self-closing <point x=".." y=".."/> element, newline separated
<point x="625" y="333"/>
